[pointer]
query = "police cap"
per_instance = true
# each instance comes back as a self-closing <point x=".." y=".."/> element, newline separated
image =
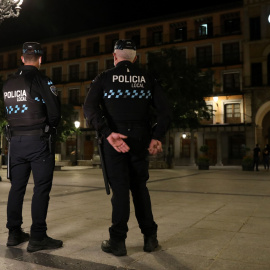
<point x="32" y="48"/>
<point x="125" y="44"/>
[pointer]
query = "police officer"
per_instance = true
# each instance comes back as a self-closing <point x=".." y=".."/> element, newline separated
<point x="118" y="106"/>
<point x="33" y="113"/>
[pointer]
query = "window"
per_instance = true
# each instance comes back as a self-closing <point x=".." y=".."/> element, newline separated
<point x="154" y="36"/>
<point x="210" y="109"/>
<point x="137" y="40"/>
<point x="255" y="28"/>
<point x="178" y="31"/>
<point x="61" y="54"/>
<point x="12" y="60"/>
<point x="232" y="113"/>
<point x="92" y="46"/>
<point x="74" y="72"/>
<point x="96" y="47"/>
<point x="57" y="74"/>
<point x="231" y="53"/>
<point x="135" y="36"/>
<point x="73" y="97"/>
<point x="44" y="55"/>
<point x="180" y="34"/>
<point x="57" y="52"/>
<point x="231" y="23"/>
<point x="74" y="49"/>
<point x="109" y="63"/>
<point x="256" y="74"/>
<point x="110" y="42"/>
<point x="231" y="82"/>
<point x="157" y="38"/>
<point x="92" y="70"/>
<point x="78" y="51"/>
<point x="204" y="27"/>
<point x="204" y="56"/>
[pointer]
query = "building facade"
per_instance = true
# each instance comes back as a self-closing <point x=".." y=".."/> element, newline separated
<point x="232" y="40"/>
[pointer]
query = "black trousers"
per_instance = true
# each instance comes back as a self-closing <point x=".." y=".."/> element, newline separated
<point x="30" y="153"/>
<point x="129" y="172"/>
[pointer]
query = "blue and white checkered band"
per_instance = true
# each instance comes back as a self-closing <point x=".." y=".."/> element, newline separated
<point x="16" y="109"/>
<point x="143" y="94"/>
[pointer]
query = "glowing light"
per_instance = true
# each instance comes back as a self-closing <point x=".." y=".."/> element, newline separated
<point x="9" y="9"/>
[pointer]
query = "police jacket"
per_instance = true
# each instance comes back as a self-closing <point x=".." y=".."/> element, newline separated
<point x="126" y="94"/>
<point x="30" y="100"/>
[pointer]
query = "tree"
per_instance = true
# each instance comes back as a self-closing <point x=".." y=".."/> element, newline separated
<point x="66" y="126"/>
<point x="185" y="84"/>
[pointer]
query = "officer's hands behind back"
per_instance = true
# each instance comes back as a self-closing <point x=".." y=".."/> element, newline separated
<point x="155" y="147"/>
<point x="117" y="142"/>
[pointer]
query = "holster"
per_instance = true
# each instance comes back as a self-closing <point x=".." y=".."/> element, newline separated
<point x="49" y="135"/>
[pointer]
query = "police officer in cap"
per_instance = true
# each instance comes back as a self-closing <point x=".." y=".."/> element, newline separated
<point x="33" y="113"/>
<point x="118" y="106"/>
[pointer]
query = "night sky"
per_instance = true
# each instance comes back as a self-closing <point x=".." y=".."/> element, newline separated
<point x="41" y="19"/>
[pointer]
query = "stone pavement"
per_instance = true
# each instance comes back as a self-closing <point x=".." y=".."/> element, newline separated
<point x="215" y="220"/>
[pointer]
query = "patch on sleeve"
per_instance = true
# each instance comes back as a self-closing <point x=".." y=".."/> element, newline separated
<point x="53" y="90"/>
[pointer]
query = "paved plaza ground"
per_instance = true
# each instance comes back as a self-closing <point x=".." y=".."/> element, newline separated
<point x="218" y="219"/>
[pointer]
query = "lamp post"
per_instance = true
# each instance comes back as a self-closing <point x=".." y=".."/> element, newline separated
<point x="77" y="125"/>
<point x="9" y="8"/>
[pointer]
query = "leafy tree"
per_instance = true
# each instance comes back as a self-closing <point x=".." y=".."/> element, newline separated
<point x="66" y="126"/>
<point x="185" y="84"/>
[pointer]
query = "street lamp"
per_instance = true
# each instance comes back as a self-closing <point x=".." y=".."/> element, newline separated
<point x="9" y="8"/>
<point x="216" y="100"/>
<point x="77" y="125"/>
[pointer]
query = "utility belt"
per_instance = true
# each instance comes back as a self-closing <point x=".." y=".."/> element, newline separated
<point x="132" y="125"/>
<point x="47" y="133"/>
<point x="133" y="130"/>
<point x="35" y="132"/>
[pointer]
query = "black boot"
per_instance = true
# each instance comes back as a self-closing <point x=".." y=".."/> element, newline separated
<point x="150" y="243"/>
<point x="116" y="247"/>
<point x="46" y="243"/>
<point x="17" y="237"/>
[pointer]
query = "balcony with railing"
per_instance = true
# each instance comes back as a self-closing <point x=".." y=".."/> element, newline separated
<point x="155" y="38"/>
<point x="227" y="119"/>
<point x="213" y="61"/>
<point x="75" y="77"/>
<point x="258" y="81"/>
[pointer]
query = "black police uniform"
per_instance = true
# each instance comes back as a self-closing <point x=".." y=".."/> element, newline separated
<point x="126" y="95"/>
<point x="31" y="103"/>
